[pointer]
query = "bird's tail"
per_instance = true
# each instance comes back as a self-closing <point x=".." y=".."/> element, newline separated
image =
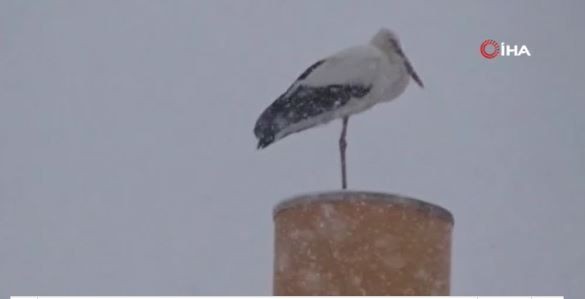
<point x="265" y="141"/>
<point x="265" y="129"/>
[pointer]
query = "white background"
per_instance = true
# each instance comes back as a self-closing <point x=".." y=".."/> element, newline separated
<point x="128" y="164"/>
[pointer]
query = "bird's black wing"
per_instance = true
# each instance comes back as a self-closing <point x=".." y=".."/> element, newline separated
<point x="301" y="102"/>
<point x="308" y="71"/>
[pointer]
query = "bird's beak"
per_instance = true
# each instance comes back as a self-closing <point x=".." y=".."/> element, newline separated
<point x="412" y="73"/>
<point x="407" y="64"/>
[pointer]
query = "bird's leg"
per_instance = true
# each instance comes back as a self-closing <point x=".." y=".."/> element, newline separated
<point x="342" y="147"/>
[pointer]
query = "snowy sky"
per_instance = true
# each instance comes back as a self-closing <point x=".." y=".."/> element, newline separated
<point x="128" y="164"/>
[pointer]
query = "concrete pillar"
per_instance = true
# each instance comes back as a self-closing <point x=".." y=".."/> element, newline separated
<point x="361" y="243"/>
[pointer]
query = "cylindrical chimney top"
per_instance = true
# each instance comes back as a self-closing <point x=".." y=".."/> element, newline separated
<point x="361" y="243"/>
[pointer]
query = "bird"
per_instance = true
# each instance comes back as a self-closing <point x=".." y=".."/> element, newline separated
<point x="336" y="87"/>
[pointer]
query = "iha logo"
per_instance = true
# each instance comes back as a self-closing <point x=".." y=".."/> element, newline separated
<point x="491" y="49"/>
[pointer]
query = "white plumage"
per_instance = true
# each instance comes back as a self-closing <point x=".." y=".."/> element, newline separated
<point x="338" y="86"/>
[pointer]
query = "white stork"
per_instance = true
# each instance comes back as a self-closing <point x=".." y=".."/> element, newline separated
<point x="338" y="86"/>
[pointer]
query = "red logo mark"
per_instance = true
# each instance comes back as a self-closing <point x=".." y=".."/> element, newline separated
<point x="487" y="43"/>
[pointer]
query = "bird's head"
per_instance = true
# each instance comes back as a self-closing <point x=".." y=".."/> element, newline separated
<point x="388" y="41"/>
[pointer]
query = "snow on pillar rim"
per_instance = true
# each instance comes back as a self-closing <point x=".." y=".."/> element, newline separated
<point x="427" y="208"/>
